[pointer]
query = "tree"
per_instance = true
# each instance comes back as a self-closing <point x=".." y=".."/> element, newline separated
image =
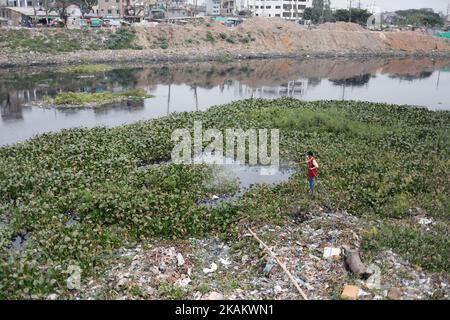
<point x="359" y="16"/>
<point x="419" y="18"/>
<point x="319" y="12"/>
<point x="86" y="5"/>
<point x="61" y="7"/>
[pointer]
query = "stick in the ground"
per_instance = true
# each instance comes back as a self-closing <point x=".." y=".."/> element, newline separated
<point x="280" y="263"/>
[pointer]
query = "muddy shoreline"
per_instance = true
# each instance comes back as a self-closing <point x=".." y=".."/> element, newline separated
<point x="140" y="56"/>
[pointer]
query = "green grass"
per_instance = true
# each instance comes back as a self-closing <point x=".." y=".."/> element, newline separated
<point x="100" y="98"/>
<point x="25" y="40"/>
<point x="427" y="249"/>
<point x="88" y="69"/>
<point x="53" y="40"/>
<point x="375" y="160"/>
<point x="171" y="292"/>
<point x="67" y="40"/>
<point x="123" y="38"/>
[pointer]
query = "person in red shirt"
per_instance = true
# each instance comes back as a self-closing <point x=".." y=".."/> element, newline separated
<point x="313" y="167"/>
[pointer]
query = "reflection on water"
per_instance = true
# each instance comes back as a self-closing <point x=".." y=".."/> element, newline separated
<point x="198" y="86"/>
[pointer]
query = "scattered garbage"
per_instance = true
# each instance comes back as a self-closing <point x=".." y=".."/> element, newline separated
<point x="300" y="251"/>
<point x="374" y="280"/>
<point x="394" y="294"/>
<point x="362" y="293"/>
<point x="331" y="253"/>
<point x="180" y="259"/>
<point x="214" y="296"/>
<point x="52" y="296"/>
<point x="350" y="292"/>
<point x="277" y="289"/>
<point x="425" y="221"/>
<point x="19" y="241"/>
<point x="212" y="269"/>
<point x="183" y="282"/>
<point x="269" y="267"/>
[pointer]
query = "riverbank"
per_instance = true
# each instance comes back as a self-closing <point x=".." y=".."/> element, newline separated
<point x="257" y="38"/>
<point x="99" y="199"/>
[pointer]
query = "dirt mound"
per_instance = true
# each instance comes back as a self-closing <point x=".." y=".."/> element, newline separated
<point x="341" y="26"/>
<point x="414" y="41"/>
<point x="268" y="24"/>
<point x="205" y="38"/>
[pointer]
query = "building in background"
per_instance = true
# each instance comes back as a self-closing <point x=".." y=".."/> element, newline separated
<point x="213" y="7"/>
<point x="25" y="16"/>
<point x="20" y="3"/>
<point x="110" y="8"/>
<point x="447" y="23"/>
<point x="286" y="9"/>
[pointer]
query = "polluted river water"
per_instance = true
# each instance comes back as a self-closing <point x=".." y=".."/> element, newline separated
<point x="179" y="87"/>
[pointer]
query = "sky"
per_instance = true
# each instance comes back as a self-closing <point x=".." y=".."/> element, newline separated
<point x="392" y="5"/>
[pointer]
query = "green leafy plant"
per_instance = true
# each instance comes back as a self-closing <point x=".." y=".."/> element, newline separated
<point x="100" y="98"/>
<point x="123" y="38"/>
<point x="210" y="37"/>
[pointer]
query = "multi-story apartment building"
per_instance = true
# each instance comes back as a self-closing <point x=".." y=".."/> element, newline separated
<point x="20" y="3"/>
<point x="287" y="9"/>
<point x="213" y="7"/>
<point x="110" y="8"/>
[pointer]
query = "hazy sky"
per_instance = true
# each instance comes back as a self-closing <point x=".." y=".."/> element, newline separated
<point x="392" y="5"/>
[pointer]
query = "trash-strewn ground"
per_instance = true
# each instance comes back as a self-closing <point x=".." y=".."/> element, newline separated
<point x="309" y="245"/>
<point x="207" y="39"/>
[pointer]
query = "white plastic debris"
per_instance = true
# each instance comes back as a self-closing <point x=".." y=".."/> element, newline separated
<point x="374" y="281"/>
<point x="211" y="269"/>
<point x="425" y="221"/>
<point x="225" y="262"/>
<point x="277" y="289"/>
<point x="180" y="259"/>
<point x="330" y="252"/>
<point x="362" y="293"/>
<point x="183" y="282"/>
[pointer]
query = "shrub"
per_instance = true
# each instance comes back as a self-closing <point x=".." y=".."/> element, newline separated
<point x="210" y="37"/>
<point x="123" y="38"/>
<point x="164" y="44"/>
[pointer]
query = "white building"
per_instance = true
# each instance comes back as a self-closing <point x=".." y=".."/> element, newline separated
<point x="213" y="7"/>
<point x="20" y="3"/>
<point x="286" y="9"/>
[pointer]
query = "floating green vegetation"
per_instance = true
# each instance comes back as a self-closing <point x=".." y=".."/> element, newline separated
<point x="376" y="160"/>
<point x="88" y="69"/>
<point x="94" y="99"/>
